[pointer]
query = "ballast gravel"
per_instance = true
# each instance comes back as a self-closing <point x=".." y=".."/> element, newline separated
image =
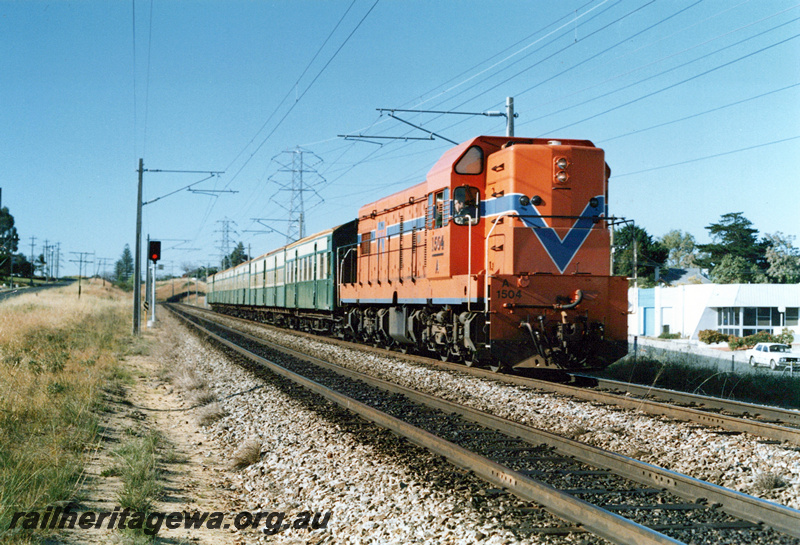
<point x="740" y="462"/>
<point x="378" y="488"/>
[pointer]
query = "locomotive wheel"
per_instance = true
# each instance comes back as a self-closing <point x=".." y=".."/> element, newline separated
<point x="471" y="360"/>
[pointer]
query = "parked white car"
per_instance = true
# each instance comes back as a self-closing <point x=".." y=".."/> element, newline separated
<point x="773" y="354"/>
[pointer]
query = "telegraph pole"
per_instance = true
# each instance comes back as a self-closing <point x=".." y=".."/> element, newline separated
<point x="137" y="263"/>
<point x="58" y="259"/>
<point x="80" y="261"/>
<point x="33" y="247"/>
<point x="46" y="264"/>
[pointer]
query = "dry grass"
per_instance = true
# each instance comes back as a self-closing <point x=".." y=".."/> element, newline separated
<point x="57" y="353"/>
<point x="186" y="379"/>
<point x="210" y="413"/>
<point x="765" y="482"/>
<point x="248" y="454"/>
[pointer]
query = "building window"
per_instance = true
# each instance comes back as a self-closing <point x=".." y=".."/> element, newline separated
<point x="728" y="316"/>
<point x="764" y="316"/>
<point x="792" y="316"/>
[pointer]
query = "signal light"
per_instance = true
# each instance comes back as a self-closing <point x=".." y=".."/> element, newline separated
<point x="154" y="252"/>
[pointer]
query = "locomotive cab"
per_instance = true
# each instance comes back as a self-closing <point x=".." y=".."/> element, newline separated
<point x="550" y="300"/>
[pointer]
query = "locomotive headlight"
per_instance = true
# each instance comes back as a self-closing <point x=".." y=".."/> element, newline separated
<point x="562" y="177"/>
<point x="536" y="200"/>
<point x="524" y="200"/>
<point x="561" y="163"/>
<point x="593" y="202"/>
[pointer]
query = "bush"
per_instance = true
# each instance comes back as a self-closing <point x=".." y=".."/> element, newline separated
<point x="711" y="336"/>
<point x="740" y="343"/>
<point x="670" y="336"/>
<point x="683" y="375"/>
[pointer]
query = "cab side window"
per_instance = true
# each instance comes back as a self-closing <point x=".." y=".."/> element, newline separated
<point x="438" y="208"/>
<point x="465" y="205"/>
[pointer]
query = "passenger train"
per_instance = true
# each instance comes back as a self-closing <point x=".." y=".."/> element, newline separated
<point x="500" y="257"/>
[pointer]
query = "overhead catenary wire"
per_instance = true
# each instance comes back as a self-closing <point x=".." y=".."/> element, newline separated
<point x="296" y="83"/>
<point x="371" y="156"/>
<point x="297" y="100"/>
<point x="674" y="68"/>
<point x="339" y="169"/>
<point x="698" y="114"/>
<point x="524" y="48"/>
<point x="674" y="85"/>
<point x="706" y="157"/>
<point x="300" y="97"/>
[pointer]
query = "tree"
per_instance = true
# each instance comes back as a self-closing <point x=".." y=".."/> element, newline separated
<point x="783" y="259"/>
<point x="734" y="269"/>
<point x="735" y="236"/>
<point x="9" y="239"/>
<point x="681" y="248"/>
<point x="22" y="267"/>
<point x="650" y="254"/>
<point x="238" y="255"/>
<point x="123" y="268"/>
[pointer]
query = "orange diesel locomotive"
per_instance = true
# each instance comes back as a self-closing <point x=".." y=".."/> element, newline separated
<point x="501" y="256"/>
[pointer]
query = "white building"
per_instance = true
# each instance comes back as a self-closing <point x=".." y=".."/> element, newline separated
<point x="737" y="309"/>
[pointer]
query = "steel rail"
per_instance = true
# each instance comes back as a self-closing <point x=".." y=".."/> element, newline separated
<point x="767" y="430"/>
<point x="594" y="519"/>
<point x="764" y="411"/>
<point x="744" y="506"/>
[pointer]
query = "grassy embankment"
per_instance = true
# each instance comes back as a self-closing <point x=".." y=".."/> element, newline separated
<point x="768" y="387"/>
<point x="58" y="354"/>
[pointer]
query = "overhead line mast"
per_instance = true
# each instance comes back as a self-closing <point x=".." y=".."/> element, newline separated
<point x="508" y="114"/>
<point x="137" y="271"/>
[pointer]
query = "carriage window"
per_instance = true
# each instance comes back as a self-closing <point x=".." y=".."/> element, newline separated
<point x="471" y="162"/>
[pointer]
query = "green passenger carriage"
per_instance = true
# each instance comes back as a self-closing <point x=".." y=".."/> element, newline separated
<point x="292" y="285"/>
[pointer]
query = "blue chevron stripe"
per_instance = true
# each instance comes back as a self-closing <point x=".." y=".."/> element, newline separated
<point x="561" y="251"/>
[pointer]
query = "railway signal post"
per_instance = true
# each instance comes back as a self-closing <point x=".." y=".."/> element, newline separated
<point x="153" y="255"/>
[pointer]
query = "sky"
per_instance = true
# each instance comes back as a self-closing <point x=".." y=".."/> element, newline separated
<point x="696" y="104"/>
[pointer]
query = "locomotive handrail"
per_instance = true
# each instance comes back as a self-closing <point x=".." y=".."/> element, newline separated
<point x="486" y="292"/>
<point x="469" y="262"/>
<point x="554" y="306"/>
<point x="341" y="267"/>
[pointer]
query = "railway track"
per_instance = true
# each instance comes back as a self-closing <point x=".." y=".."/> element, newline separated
<point x="773" y="424"/>
<point x="615" y="497"/>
